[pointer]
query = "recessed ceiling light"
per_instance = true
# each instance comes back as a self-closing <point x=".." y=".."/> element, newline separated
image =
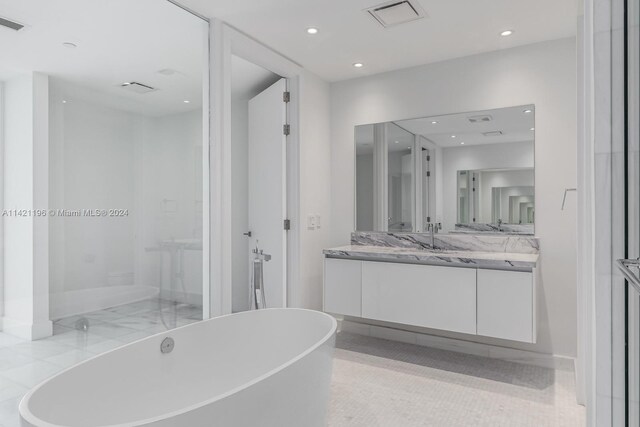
<point x="532" y="129"/>
<point x="64" y="101"/>
<point x="462" y="143"/>
<point x="70" y="45"/>
<point x="312" y="30"/>
<point x="453" y="136"/>
<point x="527" y="111"/>
<point x="397" y="142"/>
<point x="506" y="33"/>
<point x="408" y="148"/>
<point x="434" y="122"/>
<point x="358" y="64"/>
<point x="186" y="102"/>
<point x="167" y="72"/>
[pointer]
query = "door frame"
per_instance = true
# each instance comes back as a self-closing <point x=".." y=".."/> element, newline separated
<point x="225" y="42"/>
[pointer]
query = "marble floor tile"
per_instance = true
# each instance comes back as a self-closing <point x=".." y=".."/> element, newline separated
<point x="70" y="358"/>
<point x="104" y="346"/>
<point x="10" y="390"/>
<point x="41" y="349"/>
<point x="111" y="330"/>
<point x="9" y="340"/>
<point x="31" y="374"/>
<point x="135" y="336"/>
<point x="9" y="359"/>
<point x="9" y="415"/>
<point x="77" y="339"/>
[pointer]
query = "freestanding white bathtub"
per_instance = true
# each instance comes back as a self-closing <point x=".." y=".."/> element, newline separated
<point x="259" y="368"/>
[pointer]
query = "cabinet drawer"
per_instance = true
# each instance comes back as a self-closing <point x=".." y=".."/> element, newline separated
<point x="429" y="296"/>
<point x="342" y="286"/>
<point x="506" y="305"/>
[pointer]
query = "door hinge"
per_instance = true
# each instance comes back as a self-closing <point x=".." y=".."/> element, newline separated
<point x="428" y="173"/>
<point x="287" y="224"/>
<point x="428" y="158"/>
<point x="286" y="96"/>
<point x="428" y="219"/>
<point x="286" y="129"/>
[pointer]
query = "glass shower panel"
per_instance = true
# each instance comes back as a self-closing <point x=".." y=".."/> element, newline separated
<point x="126" y="177"/>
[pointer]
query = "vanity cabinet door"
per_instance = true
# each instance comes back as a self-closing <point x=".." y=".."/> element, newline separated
<point x="342" y="286"/>
<point x="421" y="295"/>
<point x="506" y="304"/>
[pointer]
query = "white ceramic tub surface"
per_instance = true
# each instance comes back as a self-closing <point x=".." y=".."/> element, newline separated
<point x="260" y="368"/>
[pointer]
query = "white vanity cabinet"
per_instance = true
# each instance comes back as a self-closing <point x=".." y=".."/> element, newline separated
<point x="476" y="301"/>
<point x="420" y="295"/>
<point x="506" y="305"/>
<point x="343" y="286"/>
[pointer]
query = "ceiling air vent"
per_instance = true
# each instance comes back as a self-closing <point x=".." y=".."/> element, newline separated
<point x="4" y="22"/>
<point x="493" y="133"/>
<point x="137" y="87"/>
<point x="480" y="119"/>
<point x="396" y="12"/>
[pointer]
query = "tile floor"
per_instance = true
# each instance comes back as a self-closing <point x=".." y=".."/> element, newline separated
<point x="380" y="383"/>
<point x="376" y="383"/>
<point x="23" y="364"/>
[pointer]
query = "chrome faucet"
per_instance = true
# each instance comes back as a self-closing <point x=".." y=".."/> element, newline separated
<point x="257" y="292"/>
<point x="433" y="228"/>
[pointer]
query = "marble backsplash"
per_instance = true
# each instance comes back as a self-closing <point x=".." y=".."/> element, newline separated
<point x="495" y="228"/>
<point x="449" y="242"/>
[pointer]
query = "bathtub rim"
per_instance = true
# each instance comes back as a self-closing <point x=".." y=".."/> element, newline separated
<point x="28" y="416"/>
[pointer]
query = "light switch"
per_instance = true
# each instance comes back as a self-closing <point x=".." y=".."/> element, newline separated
<point x="311" y="222"/>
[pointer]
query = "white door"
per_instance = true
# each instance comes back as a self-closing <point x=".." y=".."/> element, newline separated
<point x="267" y="187"/>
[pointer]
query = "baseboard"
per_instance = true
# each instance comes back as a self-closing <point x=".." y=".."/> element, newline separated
<point x="27" y="331"/>
<point x="550" y="361"/>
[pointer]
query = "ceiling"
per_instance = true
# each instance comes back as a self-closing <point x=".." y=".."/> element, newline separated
<point x="452" y="29"/>
<point x="513" y="122"/>
<point x="399" y="139"/>
<point x="117" y="41"/>
<point x="455" y="130"/>
<point x="249" y="79"/>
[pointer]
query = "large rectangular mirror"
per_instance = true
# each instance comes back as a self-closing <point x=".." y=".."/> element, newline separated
<point x="468" y="172"/>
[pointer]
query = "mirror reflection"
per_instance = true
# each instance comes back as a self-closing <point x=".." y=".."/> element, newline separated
<point x="465" y="172"/>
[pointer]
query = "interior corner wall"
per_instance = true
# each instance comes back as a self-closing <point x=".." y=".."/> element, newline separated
<point x="543" y="74"/>
<point x="315" y="191"/>
<point x="239" y="201"/>
<point x="26" y="274"/>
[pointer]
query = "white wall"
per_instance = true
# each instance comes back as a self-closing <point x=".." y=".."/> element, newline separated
<point x="26" y="284"/>
<point x="543" y="74"/>
<point x="239" y="201"/>
<point x="474" y="157"/>
<point x="315" y="190"/>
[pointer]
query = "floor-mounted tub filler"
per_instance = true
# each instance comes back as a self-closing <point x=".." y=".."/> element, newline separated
<point x="260" y="368"/>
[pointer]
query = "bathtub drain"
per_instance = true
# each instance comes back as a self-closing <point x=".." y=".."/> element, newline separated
<point x="167" y="345"/>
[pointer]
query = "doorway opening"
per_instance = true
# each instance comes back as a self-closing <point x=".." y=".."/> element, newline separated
<point x="258" y="181"/>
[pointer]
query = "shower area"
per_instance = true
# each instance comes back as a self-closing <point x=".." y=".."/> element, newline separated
<point x="126" y="196"/>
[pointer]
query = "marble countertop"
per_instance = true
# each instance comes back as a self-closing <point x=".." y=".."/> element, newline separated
<point x="501" y="260"/>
